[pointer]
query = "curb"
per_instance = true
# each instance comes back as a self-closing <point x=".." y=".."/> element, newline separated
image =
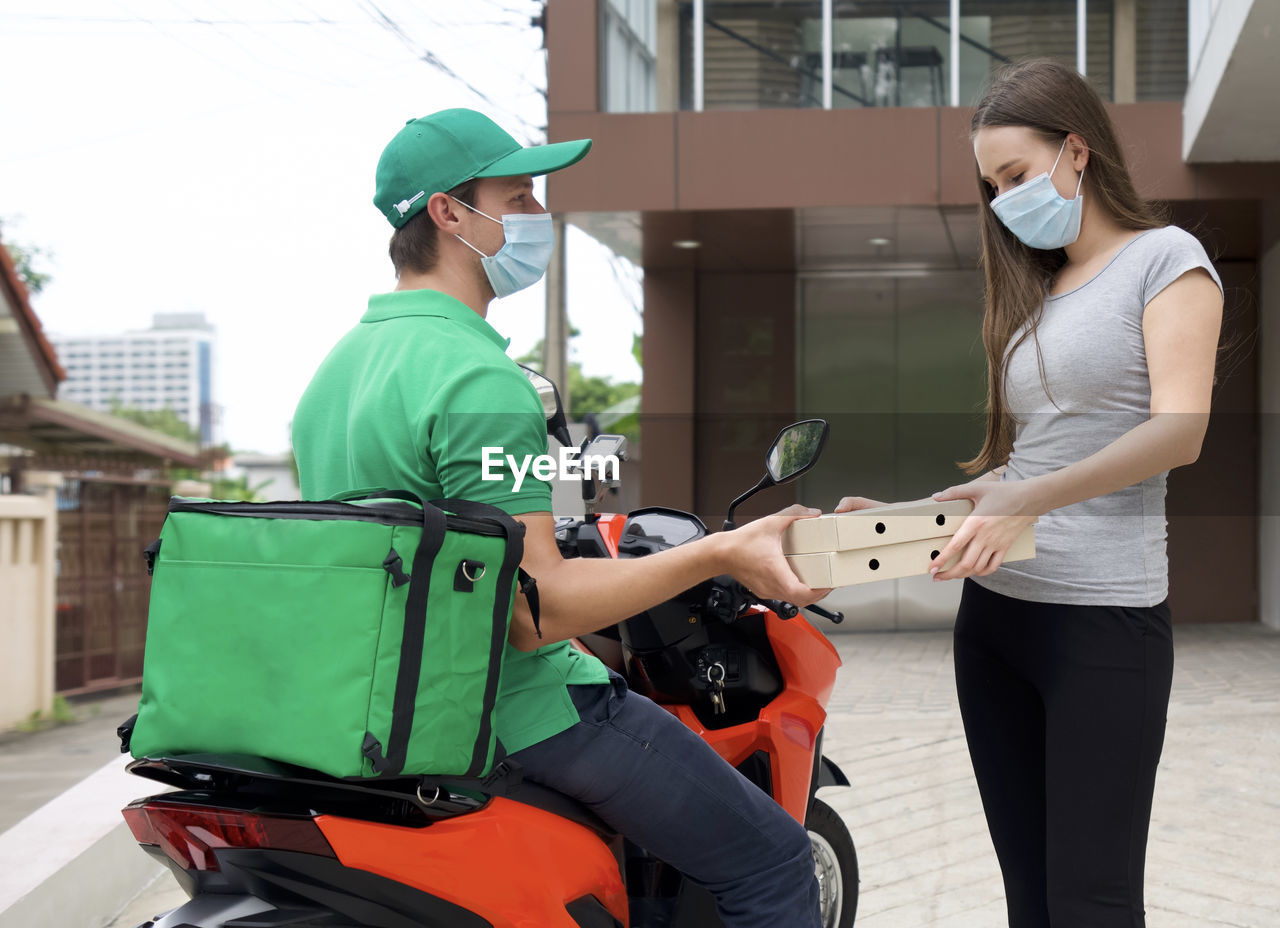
<point x="74" y="861"/>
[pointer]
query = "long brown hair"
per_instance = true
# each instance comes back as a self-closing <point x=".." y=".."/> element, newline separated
<point x="1053" y="100"/>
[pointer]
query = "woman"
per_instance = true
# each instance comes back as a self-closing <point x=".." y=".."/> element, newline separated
<point x="1101" y="331"/>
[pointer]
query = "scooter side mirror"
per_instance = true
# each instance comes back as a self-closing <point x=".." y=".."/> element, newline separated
<point x="557" y="425"/>
<point x="794" y="451"/>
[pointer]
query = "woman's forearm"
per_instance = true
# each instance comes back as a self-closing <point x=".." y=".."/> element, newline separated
<point x="1163" y="442"/>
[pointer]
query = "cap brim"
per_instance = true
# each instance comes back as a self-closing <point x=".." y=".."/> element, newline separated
<point x="537" y="159"/>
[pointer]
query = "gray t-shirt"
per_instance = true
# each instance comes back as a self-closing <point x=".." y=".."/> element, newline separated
<point x="1109" y="550"/>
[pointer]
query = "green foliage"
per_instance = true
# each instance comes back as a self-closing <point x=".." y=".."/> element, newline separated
<point x="597" y="395"/>
<point x="160" y="420"/>
<point x="25" y="258"/>
<point x="60" y="713"/>
<point x="170" y="423"/>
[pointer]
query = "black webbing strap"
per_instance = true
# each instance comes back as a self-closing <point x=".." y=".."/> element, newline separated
<point x="415" y="624"/>
<point x="501" y="604"/>
<point x="529" y="587"/>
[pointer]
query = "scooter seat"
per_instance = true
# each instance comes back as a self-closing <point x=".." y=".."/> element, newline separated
<point x="251" y="773"/>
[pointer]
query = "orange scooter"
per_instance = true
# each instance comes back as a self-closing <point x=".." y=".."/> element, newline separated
<point x="260" y="844"/>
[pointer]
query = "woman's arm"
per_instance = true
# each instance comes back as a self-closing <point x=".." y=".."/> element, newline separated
<point x="1180" y="329"/>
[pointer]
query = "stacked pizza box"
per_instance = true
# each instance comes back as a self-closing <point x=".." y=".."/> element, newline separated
<point x="888" y="542"/>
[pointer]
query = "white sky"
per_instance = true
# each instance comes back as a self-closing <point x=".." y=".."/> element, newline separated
<point x="217" y="156"/>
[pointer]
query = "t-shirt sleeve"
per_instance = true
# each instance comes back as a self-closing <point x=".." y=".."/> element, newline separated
<point x="489" y="418"/>
<point x="1174" y="252"/>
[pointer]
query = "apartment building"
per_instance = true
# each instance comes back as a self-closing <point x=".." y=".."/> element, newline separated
<point x="168" y="366"/>
<point x="796" y="180"/>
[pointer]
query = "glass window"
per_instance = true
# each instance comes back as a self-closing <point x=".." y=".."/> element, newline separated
<point x="628" y="43"/>
<point x="889" y="54"/>
<point x="1161" y="49"/>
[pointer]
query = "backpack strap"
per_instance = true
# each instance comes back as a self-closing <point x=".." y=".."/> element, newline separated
<point x="415" y="623"/>
<point x="502" y="599"/>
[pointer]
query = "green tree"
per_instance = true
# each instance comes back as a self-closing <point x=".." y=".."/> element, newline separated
<point x="595" y="395"/>
<point x="170" y="423"/>
<point x="25" y="258"/>
<point x="160" y="420"/>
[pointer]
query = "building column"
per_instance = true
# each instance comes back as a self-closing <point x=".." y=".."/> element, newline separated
<point x="1269" y="416"/>
<point x="667" y="393"/>
<point x="1124" y="51"/>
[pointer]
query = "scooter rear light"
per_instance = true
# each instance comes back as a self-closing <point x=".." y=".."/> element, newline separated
<point x="189" y="834"/>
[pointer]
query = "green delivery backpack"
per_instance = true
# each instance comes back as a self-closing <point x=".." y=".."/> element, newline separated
<point x="360" y="636"/>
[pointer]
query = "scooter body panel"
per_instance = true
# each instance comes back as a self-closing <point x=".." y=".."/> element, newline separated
<point x="505" y="862"/>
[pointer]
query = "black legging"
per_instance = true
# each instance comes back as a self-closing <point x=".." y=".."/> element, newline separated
<point x="1064" y="711"/>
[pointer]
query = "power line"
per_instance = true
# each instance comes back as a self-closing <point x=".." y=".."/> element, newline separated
<point x="378" y="15"/>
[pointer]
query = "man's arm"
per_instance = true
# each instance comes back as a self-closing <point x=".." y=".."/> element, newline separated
<point x="581" y="595"/>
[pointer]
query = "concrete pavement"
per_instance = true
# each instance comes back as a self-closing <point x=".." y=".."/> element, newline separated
<point x="916" y="818"/>
<point x="914" y="811"/>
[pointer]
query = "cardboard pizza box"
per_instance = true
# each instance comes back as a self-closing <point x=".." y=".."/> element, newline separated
<point x="884" y="525"/>
<point x="825" y="569"/>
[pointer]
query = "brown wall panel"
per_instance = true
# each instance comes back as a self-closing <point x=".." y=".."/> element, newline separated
<point x="1151" y="136"/>
<point x="667" y="394"/>
<point x="573" y="71"/>
<point x="1213" y="504"/>
<point x="788" y="158"/>
<point x="746" y="356"/>
<point x="782" y="159"/>
<point x="957" y="186"/>
<point x="1237" y="181"/>
<point x="631" y="165"/>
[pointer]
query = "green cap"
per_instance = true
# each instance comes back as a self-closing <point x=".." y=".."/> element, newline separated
<point x="437" y="152"/>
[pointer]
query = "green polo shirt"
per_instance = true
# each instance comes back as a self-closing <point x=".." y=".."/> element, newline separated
<point x="409" y="399"/>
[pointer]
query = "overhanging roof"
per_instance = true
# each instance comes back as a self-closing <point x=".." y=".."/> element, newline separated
<point x="1230" y="112"/>
<point x="28" y="363"/>
<point x="58" y="427"/>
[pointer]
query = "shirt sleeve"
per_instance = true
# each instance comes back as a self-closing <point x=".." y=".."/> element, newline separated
<point x="486" y="438"/>
<point x="1176" y="252"/>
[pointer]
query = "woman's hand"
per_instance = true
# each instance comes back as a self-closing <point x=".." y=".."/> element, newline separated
<point x="851" y="503"/>
<point x="1001" y="511"/>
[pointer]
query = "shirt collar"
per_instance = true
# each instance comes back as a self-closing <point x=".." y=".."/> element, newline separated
<point x="399" y="303"/>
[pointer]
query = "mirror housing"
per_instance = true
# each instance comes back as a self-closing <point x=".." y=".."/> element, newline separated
<point x="557" y="425"/>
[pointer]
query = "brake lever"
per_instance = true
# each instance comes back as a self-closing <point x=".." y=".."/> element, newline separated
<point x="835" y="617"/>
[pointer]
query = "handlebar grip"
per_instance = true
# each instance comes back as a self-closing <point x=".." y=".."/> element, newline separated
<point x="783" y="609"/>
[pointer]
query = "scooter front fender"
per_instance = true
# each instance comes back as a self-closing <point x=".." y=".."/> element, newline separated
<point x="829" y="774"/>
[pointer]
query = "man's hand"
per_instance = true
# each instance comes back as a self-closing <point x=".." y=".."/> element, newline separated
<point x="756" y="561"/>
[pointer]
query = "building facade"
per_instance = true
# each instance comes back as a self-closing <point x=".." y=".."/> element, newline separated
<point x="797" y="182"/>
<point x="168" y="366"/>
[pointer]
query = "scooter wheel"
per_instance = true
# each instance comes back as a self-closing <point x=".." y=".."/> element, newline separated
<point x="836" y="864"/>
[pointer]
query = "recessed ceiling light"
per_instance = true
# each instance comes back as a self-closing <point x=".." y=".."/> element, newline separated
<point x="879" y="242"/>
<point x="686" y="243"/>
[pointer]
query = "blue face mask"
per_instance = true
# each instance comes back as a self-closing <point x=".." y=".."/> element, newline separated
<point x="523" y="257"/>
<point x="1037" y="214"/>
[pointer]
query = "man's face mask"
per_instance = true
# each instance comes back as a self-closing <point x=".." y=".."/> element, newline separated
<point x="1037" y="214"/>
<point x="524" y="255"/>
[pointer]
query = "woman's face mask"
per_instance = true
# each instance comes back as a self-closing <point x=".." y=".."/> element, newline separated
<point x="524" y="255"/>
<point x="1037" y="214"/>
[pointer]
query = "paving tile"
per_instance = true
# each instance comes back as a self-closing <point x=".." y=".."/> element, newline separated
<point x="916" y="817"/>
